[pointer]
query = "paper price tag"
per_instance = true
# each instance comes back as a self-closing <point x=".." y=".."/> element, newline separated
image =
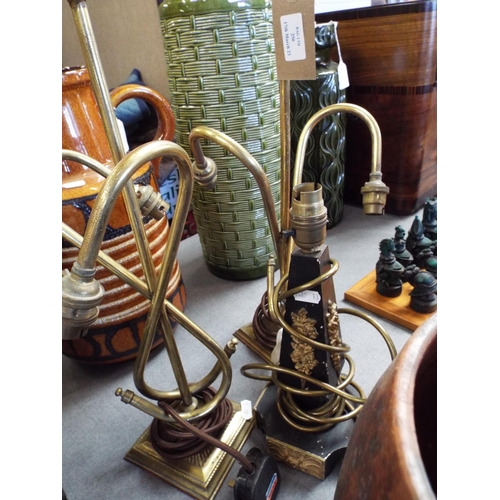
<point x="295" y="50"/>
<point x="342" y="68"/>
<point x="292" y="31"/>
<point x="308" y="296"/>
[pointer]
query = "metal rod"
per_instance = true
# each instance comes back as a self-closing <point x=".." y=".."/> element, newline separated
<point x="376" y="162"/>
<point x="73" y="237"/>
<point x="202" y="132"/>
<point x="92" y="60"/>
<point x="285" y="170"/>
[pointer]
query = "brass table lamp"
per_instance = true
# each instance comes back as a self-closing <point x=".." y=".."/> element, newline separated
<point x="308" y="394"/>
<point x="201" y="468"/>
<point x="197" y="408"/>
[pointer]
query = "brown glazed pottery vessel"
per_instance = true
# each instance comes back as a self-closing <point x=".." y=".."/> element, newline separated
<point x="392" y="453"/>
<point x="117" y="333"/>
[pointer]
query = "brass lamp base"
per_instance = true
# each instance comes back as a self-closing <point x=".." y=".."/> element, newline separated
<point x="315" y="454"/>
<point x="201" y="475"/>
<point x="246" y="335"/>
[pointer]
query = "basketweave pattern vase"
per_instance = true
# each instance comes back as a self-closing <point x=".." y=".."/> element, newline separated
<point x="222" y="74"/>
<point x="324" y="161"/>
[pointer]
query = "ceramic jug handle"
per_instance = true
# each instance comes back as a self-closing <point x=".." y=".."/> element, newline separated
<point x="166" y="119"/>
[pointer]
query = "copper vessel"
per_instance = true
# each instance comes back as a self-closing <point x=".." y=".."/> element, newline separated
<point x="392" y="453"/>
<point x="117" y="333"/>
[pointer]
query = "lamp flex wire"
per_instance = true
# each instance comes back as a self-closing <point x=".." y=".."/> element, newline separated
<point x="343" y="404"/>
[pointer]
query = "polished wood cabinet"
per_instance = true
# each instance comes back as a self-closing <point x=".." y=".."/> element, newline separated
<point x="390" y="50"/>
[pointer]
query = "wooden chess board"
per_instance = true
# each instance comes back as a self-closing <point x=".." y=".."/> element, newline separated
<point x="396" y="309"/>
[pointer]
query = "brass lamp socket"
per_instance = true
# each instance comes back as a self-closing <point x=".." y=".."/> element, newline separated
<point x="80" y="298"/>
<point x="308" y="216"/>
<point x="374" y="195"/>
<point x="151" y="202"/>
<point x="206" y="174"/>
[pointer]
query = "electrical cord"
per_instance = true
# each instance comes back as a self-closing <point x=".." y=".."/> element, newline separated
<point x="187" y="439"/>
<point x="341" y="404"/>
<point x="263" y="326"/>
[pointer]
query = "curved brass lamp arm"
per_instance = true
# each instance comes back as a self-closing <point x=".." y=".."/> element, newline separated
<point x="132" y="280"/>
<point x="68" y="154"/>
<point x="166" y="327"/>
<point x="98" y="220"/>
<point x="339" y="108"/>
<point x="202" y="132"/>
<point x="374" y="191"/>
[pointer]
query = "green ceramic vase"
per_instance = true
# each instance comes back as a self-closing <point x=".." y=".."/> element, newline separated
<point x="221" y="68"/>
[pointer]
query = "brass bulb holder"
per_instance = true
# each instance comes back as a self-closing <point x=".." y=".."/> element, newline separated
<point x="151" y="202"/>
<point x="81" y="296"/>
<point x="374" y="195"/>
<point x="205" y="173"/>
<point x="308" y="216"/>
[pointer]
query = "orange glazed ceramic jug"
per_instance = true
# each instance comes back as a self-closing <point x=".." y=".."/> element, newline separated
<point x="117" y="333"/>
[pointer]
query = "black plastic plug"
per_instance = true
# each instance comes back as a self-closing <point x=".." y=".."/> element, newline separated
<point x="262" y="483"/>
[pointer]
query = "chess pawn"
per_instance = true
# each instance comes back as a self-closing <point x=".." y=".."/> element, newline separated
<point x="429" y="218"/>
<point x="424" y="294"/>
<point x="403" y="256"/>
<point x="416" y="240"/>
<point x="431" y="266"/>
<point x="388" y="270"/>
<point x="424" y="257"/>
<point x="410" y="272"/>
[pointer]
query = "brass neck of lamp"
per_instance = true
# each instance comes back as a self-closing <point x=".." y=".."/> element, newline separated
<point x="204" y="166"/>
<point x="375" y="191"/>
<point x="89" y="250"/>
<point x="285" y="114"/>
<point x="100" y="88"/>
<point x="97" y="78"/>
<point x="376" y="137"/>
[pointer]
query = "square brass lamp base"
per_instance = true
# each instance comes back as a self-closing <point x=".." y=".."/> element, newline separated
<point x="315" y="454"/>
<point x="246" y="335"/>
<point x="201" y="475"/>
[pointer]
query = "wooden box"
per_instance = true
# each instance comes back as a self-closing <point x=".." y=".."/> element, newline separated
<point x="390" y="53"/>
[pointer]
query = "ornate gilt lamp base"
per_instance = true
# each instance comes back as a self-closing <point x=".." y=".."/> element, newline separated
<point x="201" y="475"/>
<point x="315" y="454"/>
